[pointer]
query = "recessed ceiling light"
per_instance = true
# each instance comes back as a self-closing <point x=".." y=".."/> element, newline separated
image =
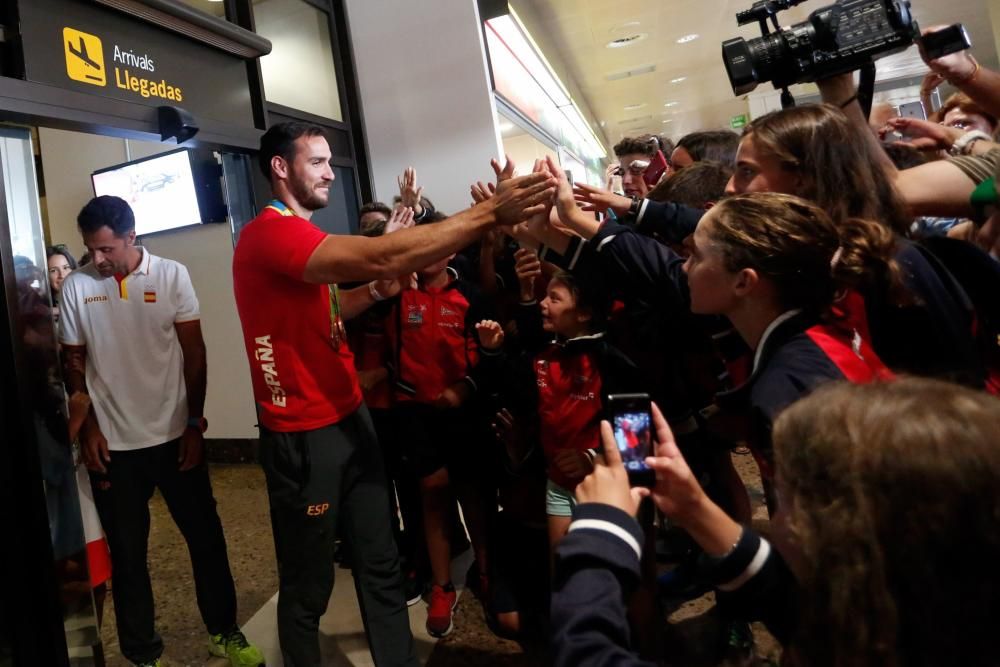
<point x="633" y="107"/>
<point x="688" y="38"/>
<point x="628" y="40"/>
<point x="671" y="104"/>
<point x="678" y="79"/>
<point x="669" y="120"/>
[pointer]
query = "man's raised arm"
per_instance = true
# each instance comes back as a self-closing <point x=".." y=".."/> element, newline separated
<point x="356" y="258"/>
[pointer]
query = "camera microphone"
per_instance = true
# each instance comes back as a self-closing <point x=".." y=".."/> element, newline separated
<point x="763" y="10"/>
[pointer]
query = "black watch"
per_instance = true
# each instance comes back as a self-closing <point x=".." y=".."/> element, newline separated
<point x="635" y="207"/>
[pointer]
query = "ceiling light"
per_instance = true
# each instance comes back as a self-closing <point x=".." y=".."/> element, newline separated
<point x="633" y="107"/>
<point x="636" y="71"/>
<point x="628" y="40"/>
<point x="688" y="38"/>
<point x="678" y="79"/>
<point x="671" y="104"/>
<point x="669" y="120"/>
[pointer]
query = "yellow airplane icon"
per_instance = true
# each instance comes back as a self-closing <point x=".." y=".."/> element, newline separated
<point x="84" y="57"/>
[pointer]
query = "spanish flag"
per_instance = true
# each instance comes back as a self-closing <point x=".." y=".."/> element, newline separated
<point x="149" y="297"/>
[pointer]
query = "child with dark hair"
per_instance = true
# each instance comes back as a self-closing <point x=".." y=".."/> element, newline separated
<point x="567" y="376"/>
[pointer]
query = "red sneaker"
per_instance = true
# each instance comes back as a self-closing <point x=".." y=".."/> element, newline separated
<point x="443" y="601"/>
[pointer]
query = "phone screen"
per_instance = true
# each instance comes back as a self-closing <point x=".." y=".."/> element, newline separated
<point x="633" y="434"/>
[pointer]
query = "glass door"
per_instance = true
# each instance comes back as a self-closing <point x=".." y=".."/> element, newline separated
<point x="48" y="608"/>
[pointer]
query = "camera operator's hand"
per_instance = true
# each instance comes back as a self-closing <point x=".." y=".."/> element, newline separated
<point x="608" y="483"/>
<point x="595" y="199"/>
<point x="954" y="67"/>
<point x="490" y="334"/>
<point x="922" y="134"/>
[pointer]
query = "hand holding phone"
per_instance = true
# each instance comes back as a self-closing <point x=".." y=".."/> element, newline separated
<point x="632" y="424"/>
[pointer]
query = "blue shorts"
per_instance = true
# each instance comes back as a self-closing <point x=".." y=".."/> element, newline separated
<point x="559" y="501"/>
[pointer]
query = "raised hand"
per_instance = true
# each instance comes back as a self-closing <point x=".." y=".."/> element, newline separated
<point x="503" y="174"/>
<point x="596" y="199"/>
<point x="401" y="218"/>
<point x="490" y="334"/>
<point x="528" y="267"/>
<point x="954" y="67"/>
<point x="521" y="197"/>
<point x="409" y="193"/>
<point x="922" y="134"/>
<point x="482" y="191"/>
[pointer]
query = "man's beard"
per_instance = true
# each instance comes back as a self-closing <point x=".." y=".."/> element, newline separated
<point x="309" y="198"/>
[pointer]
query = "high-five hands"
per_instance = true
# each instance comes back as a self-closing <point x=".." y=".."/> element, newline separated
<point x="401" y="218"/>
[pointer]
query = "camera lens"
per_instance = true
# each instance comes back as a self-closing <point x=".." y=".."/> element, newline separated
<point x="739" y="65"/>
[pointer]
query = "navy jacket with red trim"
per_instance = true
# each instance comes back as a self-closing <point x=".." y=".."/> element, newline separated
<point x="794" y="357"/>
<point x="432" y="334"/>
<point x="561" y="385"/>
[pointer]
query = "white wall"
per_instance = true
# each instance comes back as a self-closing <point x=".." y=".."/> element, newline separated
<point x="68" y="158"/>
<point x="425" y="95"/>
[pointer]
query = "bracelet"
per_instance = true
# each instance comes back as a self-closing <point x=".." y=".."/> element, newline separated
<point x="375" y="293"/>
<point x="971" y="77"/>
<point x="852" y="98"/>
<point x="730" y="551"/>
<point x="963" y="145"/>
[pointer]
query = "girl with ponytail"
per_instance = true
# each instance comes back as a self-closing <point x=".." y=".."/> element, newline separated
<point x="785" y="275"/>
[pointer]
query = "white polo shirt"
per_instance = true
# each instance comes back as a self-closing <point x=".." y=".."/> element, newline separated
<point x="135" y="367"/>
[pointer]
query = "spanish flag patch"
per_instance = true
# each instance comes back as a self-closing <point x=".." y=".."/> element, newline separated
<point x="149" y="297"/>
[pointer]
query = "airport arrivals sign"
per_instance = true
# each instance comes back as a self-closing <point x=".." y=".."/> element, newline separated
<point x="85" y="47"/>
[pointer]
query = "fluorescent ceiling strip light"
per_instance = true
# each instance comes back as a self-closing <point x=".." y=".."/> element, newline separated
<point x="511" y="31"/>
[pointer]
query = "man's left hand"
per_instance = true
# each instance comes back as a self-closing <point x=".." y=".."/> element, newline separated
<point x="192" y="449"/>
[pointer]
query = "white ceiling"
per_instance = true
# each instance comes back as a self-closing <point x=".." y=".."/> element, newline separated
<point x="580" y="29"/>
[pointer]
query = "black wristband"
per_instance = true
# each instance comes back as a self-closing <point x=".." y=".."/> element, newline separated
<point x="635" y="207"/>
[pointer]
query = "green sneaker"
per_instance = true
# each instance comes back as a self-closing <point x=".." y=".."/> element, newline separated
<point x="234" y="645"/>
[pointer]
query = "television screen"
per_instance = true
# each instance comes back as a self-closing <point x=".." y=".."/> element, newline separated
<point x="161" y="190"/>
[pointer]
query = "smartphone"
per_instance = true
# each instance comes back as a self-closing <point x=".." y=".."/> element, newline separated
<point x="655" y="170"/>
<point x="632" y="423"/>
<point x="941" y="42"/>
<point x="913" y="110"/>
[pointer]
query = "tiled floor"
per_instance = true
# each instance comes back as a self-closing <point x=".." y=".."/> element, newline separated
<point x="342" y="637"/>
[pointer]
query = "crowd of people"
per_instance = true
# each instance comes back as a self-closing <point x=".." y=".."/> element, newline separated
<point x="809" y="290"/>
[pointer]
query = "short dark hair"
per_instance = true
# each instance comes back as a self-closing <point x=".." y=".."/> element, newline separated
<point x="695" y="185"/>
<point x="280" y="140"/>
<point x="590" y="293"/>
<point x="378" y="228"/>
<point x="60" y="249"/>
<point x="433" y="217"/>
<point x="718" y="145"/>
<point x="646" y="144"/>
<point x="106" y="211"/>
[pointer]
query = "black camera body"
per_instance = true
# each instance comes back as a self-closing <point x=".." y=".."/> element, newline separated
<point x="835" y="39"/>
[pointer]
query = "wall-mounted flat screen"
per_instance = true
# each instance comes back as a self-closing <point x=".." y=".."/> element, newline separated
<point x="163" y="190"/>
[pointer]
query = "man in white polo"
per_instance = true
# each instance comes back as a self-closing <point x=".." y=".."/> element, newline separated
<point x="131" y="337"/>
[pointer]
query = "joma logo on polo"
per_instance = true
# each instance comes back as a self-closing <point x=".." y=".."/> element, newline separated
<point x="92" y="299"/>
